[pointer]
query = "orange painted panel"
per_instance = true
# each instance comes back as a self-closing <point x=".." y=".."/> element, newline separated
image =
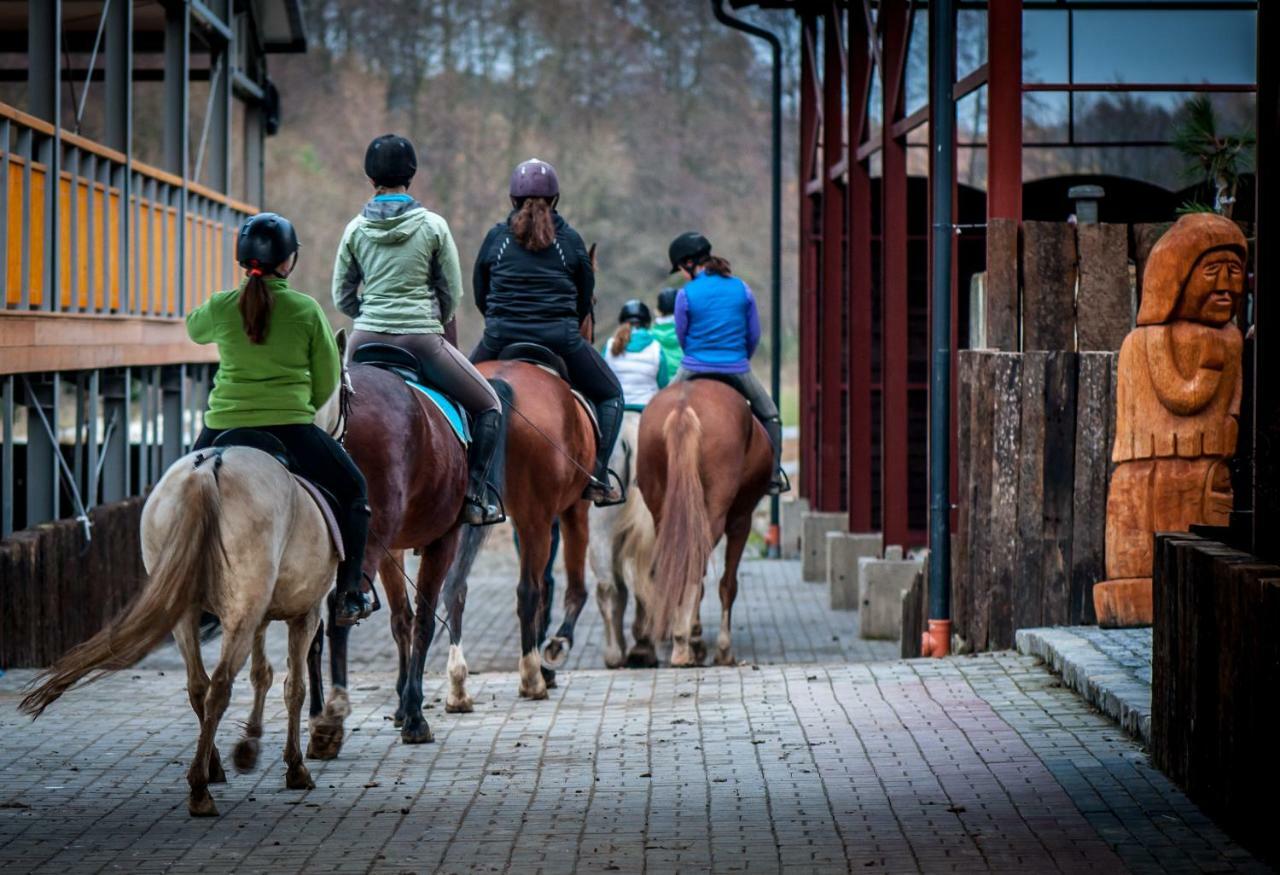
<point x="171" y="252"/>
<point x="98" y="239"/>
<point x="13" y="279"/>
<point x="142" y="266"/>
<point x="36" y="296"/>
<point x="64" y="235"/>
<point x="82" y="189"/>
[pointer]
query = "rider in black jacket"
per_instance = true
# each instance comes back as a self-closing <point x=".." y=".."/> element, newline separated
<point x="534" y="283"/>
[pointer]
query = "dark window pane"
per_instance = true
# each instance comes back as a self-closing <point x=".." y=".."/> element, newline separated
<point x="971" y="40"/>
<point x="1160" y="165"/>
<point x="1044" y="46"/>
<point x="1164" y="46"/>
<point x="1121" y="117"/>
<point x="918" y="62"/>
<point x="1045" y="116"/>
<point x="971" y="166"/>
<point x="971" y="117"/>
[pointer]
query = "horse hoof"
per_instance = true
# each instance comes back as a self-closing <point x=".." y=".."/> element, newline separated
<point x="398" y="722"/>
<point x="555" y="653"/>
<point x="642" y="658"/>
<point x="298" y="778"/>
<point x="614" y="659"/>
<point x="725" y="657"/>
<point x="416" y="732"/>
<point x="699" y="651"/>
<point x="245" y="756"/>
<point x="463" y="705"/>
<point x="549" y="678"/>
<point x="202" y="805"/>
<point x="326" y="740"/>
<point x="534" y="693"/>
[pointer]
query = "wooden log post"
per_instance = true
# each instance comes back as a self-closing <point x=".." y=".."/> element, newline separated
<point x="1002" y="285"/>
<point x="1002" y="556"/>
<point x="1049" y="285"/>
<point x="1095" y="433"/>
<point x="1104" y="301"/>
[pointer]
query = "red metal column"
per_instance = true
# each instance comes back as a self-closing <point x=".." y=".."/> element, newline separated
<point x="1004" y="110"/>
<point x="808" y="277"/>
<point x="860" y="280"/>
<point x="893" y="26"/>
<point x="831" y="419"/>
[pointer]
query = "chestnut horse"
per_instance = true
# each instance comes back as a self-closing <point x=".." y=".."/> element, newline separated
<point x="416" y="471"/>
<point x="704" y="464"/>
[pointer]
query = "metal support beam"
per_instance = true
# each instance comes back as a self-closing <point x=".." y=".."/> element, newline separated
<point x="942" y="138"/>
<point x="43" y="475"/>
<point x="1004" y="110"/>
<point x="118" y="72"/>
<point x="218" y="157"/>
<point x="177" y="133"/>
<point x="831" y="318"/>
<point x="860" y="283"/>
<point x="116" y="452"/>
<point x="8" y="408"/>
<point x="44" y="61"/>
<point x="809" y="289"/>
<point x="1266" y="340"/>
<point x="173" y="391"/>
<point x="895" y="399"/>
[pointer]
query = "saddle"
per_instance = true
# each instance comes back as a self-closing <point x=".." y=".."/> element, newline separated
<point x="406" y="366"/>
<point x="540" y="356"/>
<point x="268" y="443"/>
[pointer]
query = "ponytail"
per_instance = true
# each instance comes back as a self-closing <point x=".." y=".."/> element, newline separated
<point x="532" y="225"/>
<point x="717" y="265"/>
<point x="621" y="338"/>
<point x="255" y="306"/>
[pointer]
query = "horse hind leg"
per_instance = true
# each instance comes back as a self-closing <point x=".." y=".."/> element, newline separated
<point x="301" y="631"/>
<point x="187" y="635"/>
<point x="391" y="573"/>
<point x="736" y="542"/>
<point x="436" y="559"/>
<point x="458" y="700"/>
<point x="611" y="588"/>
<point x="237" y="641"/>
<point x="245" y="755"/>
<point x="573" y="525"/>
<point x="327" y="728"/>
<point x="531" y="598"/>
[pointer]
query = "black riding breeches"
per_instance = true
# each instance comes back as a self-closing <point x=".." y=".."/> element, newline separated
<point x="588" y="372"/>
<point x="318" y="457"/>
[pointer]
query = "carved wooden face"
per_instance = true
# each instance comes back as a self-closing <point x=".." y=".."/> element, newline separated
<point x="1213" y="287"/>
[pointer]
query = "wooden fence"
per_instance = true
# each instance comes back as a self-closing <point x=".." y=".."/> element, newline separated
<point x="58" y="590"/>
<point x="1215" y="677"/>
<point x="1034" y="462"/>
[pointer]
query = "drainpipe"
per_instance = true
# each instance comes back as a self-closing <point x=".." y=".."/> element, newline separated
<point x="937" y="640"/>
<point x="775" y="289"/>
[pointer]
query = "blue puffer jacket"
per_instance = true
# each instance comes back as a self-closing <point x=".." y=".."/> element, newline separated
<point x="718" y="324"/>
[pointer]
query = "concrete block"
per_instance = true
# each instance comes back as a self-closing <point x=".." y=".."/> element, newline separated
<point x="813" y="556"/>
<point x="893" y="551"/>
<point x="843" y="552"/>
<point x="792" y="535"/>
<point x="881" y="585"/>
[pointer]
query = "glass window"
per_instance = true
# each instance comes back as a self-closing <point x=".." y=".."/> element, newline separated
<point x="971" y="166"/>
<point x="1175" y="46"/>
<point x="971" y="40"/>
<point x="971" y="117"/>
<point x="1044" y="46"/>
<point x="1129" y="116"/>
<point x="875" y="108"/>
<point x="1045" y="116"/>
<point x="1160" y="165"/>
<point x="917" y="84"/>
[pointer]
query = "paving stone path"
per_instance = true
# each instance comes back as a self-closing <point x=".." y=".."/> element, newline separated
<point x="798" y="760"/>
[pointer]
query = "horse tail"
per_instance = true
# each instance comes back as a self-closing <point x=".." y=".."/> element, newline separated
<point x="191" y="564"/>
<point x="473" y="537"/>
<point x="682" y="562"/>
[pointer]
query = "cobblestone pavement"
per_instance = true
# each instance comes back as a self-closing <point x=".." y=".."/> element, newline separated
<point x="1110" y="668"/>
<point x="968" y="764"/>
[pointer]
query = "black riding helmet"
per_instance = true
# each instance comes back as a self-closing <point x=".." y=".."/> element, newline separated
<point x="636" y="312"/>
<point x="689" y="246"/>
<point x="667" y="301"/>
<point x="266" y="241"/>
<point x="390" y="161"/>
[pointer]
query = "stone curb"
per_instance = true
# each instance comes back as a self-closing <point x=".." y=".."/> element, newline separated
<point x="1099" y="680"/>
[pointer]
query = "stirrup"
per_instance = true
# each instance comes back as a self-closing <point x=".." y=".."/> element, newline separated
<point x="599" y="492"/>
<point x="777" y="487"/>
<point x="489" y="515"/>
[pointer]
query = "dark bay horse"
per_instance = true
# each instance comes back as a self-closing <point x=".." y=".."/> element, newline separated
<point x="703" y="467"/>
<point x="417" y="475"/>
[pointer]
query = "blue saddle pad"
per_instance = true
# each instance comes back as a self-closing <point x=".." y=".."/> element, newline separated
<point x="452" y="412"/>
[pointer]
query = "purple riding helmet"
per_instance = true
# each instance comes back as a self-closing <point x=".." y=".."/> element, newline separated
<point x="534" y="178"/>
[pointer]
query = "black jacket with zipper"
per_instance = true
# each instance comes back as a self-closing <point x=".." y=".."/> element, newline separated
<point x="513" y="284"/>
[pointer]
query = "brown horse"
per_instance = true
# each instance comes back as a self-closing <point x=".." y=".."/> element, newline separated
<point x="703" y="467"/>
<point x="416" y="471"/>
<point x="550" y="449"/>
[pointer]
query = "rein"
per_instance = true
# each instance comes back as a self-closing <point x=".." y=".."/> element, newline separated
<point x="559" y="449"/>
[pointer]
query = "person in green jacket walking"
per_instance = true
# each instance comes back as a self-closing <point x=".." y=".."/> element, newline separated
<point x="664" y="329"/>
<point x="278" y="364"/>
<point x="397" y="275"/>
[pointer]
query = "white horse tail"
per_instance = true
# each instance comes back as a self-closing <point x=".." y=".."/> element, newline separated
<point x="191" y="565"/>
<point x="634" y="537"/>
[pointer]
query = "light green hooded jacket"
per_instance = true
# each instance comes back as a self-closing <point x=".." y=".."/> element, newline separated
<point x="397" y="269"/>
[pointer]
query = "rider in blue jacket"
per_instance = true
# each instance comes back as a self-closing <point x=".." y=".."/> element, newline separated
<point x="719" y="329"/>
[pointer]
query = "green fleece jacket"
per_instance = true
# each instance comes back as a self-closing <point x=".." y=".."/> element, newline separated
<point x="664" y="331"/>
<point x="397" y="269"/>
<point x="281" y="381"/>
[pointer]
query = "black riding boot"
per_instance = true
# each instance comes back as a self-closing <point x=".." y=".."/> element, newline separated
<point x="778" y="483"/>
<point x="483" y="507"/>
<point x="600" y="490"/>
<point x="354" y="604"/>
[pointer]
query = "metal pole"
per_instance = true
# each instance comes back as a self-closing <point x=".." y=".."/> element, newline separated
<point x="943" y="133"/>
<point x="775" y="231"/>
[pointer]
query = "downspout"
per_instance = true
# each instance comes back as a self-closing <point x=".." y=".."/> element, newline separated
<point x="937" y="640"/>
<point x="775" y="289"/>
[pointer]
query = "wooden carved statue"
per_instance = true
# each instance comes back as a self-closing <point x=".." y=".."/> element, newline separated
<point x="1177" y="403"/>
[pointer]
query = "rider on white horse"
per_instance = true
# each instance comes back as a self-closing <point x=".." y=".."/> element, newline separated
<point x="278" y="363"/>
<point x="636" y="356"/>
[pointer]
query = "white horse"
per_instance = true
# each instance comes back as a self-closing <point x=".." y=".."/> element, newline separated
<point x="622" y="543"/>
<point x="233" y="534"/>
